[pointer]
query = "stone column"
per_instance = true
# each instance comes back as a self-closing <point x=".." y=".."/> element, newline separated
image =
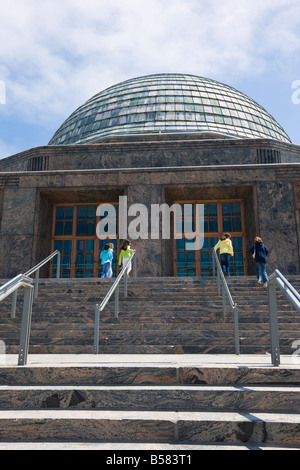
<point x="17" y="230"/>
<point x="149" y="251"/>
<point x="278" y="226"/>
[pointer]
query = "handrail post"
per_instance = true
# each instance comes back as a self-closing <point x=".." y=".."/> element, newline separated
<point x="36" y="283"/>
<point x="236" y="330"/>
<point x="221" y="283"/>
<point x="14" y="303"/>
<point x="96" y="329"/>
<point x="117" y="302"/>
<point x="125" y="280"/>
<point x="25" y="326"/>
<point x="58" y="265"/>
<point x="11" y="287"/>
<point x="218" y="281"/>
<point x="224" y="301"/>
<point x="113" y="290"/>
<point x="213" y="265"/>
<point x="273" y="318"/>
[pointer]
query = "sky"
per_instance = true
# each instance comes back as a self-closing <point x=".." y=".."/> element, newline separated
<point x="56" y="54"/>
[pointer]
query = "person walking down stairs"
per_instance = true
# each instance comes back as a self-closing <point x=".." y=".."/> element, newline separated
<point x="226" y="251"/>
<point x="260" y="252"/>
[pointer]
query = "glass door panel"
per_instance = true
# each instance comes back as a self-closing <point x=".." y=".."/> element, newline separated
<point x="219" y="217"/>
<point x="65" y="248"/>
<point x="74" y="235"/>
<point x="238" y="262"/>
<point x="206" y="256"/>
<point x="86" y="220"/>
<point x="64" y="221"/>
<point x="186" y="260"/>
<point x="84" y="264"/>
<point x="231" y="213"/>
<point x="210" y="218"/>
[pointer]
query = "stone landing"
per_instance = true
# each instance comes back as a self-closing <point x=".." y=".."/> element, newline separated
<point x="150" y="401"/>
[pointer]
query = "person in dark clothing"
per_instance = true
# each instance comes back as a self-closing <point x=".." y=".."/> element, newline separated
<point x="260" y="252"/>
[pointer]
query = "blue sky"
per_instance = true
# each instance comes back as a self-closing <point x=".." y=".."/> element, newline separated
<point x="56" y="54"/>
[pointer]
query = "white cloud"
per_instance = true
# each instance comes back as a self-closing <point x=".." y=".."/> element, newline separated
<point x="56" y="54"/>
<point x="282" y="33"/>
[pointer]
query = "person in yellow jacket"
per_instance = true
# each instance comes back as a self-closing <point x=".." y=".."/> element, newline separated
<point x="125" y="255"/>
<point x="226" y="251"/>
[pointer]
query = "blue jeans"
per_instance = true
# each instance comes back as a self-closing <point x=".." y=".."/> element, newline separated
<point x="106" y="270"/>
<point x="262" y="267"/>
<point x="225" y="257"/>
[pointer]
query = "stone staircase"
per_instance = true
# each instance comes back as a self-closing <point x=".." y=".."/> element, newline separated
<point x="160" y="315"/>
<point x="252" y="301"/>
<point x="151" y="385"/>
<point x="164" y="402"/>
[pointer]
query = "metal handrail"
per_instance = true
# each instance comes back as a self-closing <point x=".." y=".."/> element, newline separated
<point x="221" y="281"/>
<point x="12" y="286"/>
<point x="45" y="261"/>
<point x="36" y="270"/>
<point x="276" y="278"/>
<point x="114" y="289"/>
<point x="9" y="288"/>
<point x="287" y="288"/>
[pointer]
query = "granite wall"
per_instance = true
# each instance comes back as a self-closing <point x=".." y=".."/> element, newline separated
<point x="152" y="151"/>
<point x="17" y="230"/>
<point x="270" y="193"/>
<point x="278" y="225"/>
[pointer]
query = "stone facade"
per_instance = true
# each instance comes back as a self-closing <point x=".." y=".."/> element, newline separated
<point x="264" y="174"/>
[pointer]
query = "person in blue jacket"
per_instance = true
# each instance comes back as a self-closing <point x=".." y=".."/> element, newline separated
<point x="260" y="252"/>
<point x="106" y="257"/>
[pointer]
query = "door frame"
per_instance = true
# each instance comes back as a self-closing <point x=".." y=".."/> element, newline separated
<point x="74" y="237"/>
<point x="217" y="234"/>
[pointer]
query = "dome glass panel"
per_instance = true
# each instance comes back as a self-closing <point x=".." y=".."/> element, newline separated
<point x="172" y="104"/>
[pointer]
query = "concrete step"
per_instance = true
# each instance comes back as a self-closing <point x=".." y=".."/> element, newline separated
<point x="138" y="370"/>
<point x="148" y="349"/>
<point x="283" y="399"/>
<point x="158" y="450"/>
<point x="153" y="426"/>
<point x="227" y="401"/>
<point x="142" y="399"/>
<point x="133" y="349"/>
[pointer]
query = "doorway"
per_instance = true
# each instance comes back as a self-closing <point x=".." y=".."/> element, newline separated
<point x="74" y="235"/>
<point x="219" y="216"/>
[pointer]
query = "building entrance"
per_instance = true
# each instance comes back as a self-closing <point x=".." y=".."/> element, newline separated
<point x="219" y="216"/>
<point x="74" y="235"/>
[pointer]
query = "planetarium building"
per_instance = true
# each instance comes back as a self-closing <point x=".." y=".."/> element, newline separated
<point x="159" y="139"/>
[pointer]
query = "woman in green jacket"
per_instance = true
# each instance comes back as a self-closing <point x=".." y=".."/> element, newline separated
<point x="125" y="255"/>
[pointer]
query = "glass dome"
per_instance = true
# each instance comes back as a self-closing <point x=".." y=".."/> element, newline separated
<point x="172" y="104"/>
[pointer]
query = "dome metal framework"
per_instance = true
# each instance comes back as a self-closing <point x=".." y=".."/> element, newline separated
<point x="172" y="104"/>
